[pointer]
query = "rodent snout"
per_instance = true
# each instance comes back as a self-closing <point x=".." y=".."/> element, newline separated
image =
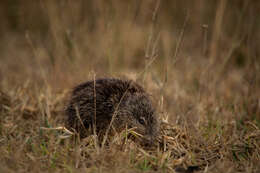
<point x="149" y="140"/>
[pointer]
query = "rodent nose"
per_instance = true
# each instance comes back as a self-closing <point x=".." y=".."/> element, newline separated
<point x="149" y="140"/>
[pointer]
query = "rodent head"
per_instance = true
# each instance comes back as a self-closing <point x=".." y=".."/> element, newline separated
<point x="137" y="111"/>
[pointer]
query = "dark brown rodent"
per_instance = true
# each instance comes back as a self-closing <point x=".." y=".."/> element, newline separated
<point x="124" y="99"/>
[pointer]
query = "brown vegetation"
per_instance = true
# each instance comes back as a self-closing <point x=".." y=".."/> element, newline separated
<point x="200" y="60"/>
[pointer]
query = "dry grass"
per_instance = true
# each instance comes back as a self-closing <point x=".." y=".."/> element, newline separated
<point x="199" y="61"/>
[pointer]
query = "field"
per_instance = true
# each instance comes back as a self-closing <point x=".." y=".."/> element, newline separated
<point x="199" y="61"/>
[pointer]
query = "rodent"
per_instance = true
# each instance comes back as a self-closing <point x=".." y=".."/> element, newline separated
<point x="125" y="99"/>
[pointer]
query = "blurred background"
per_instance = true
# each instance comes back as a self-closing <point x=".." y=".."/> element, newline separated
<point x="183" y="52"/>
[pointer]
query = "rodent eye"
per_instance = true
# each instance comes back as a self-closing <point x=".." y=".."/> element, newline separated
<point x="142" y="121"/>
